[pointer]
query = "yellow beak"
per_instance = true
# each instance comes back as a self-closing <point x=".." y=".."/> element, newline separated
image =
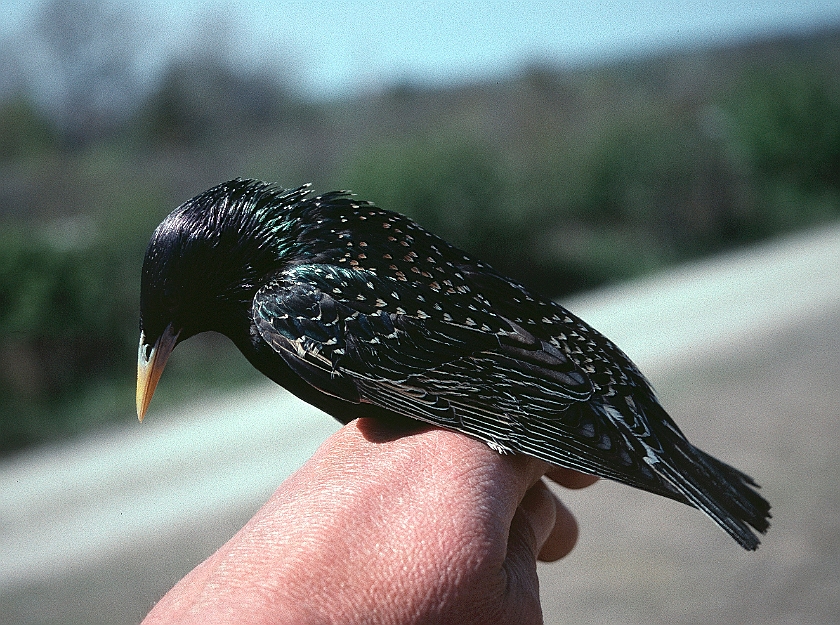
<point x="150" y="365"/>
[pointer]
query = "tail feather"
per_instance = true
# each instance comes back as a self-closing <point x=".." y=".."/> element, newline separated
<point x="662" y="461"/>
<point x="724" y="495"/>
<point x="745" y="501"/>
<point x="728" y="496"/>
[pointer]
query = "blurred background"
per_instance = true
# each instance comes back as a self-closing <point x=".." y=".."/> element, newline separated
<point x="571" y="144"/>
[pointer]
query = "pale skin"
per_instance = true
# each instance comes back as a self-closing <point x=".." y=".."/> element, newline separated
<point x="387" y="526"/>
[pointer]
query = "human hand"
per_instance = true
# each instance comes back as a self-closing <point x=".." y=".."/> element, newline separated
<point x="381" y="526"/>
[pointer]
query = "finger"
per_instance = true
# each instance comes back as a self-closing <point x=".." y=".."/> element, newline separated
<point x="538" y="510"/>
<point x="521" y="583"/>
<point x="563" y="535"/>
<point x="530" y="527"/>
<point x="571" y="478"/>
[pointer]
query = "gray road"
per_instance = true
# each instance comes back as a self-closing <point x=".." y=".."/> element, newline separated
<point x="744" y="351"/>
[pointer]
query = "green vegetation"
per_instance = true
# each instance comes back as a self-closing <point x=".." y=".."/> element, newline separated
<point x="565" y="179"/>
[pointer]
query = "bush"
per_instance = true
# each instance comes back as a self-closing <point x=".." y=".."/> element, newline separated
<point x="24" y="132"/>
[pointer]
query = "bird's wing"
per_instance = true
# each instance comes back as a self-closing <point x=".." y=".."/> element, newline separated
<point x="328" y="322"/>
<point x="570" y="398"/>
<point x="484" y="374"/>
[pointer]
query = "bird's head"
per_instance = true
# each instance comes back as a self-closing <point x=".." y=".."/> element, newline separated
<point x="203" y="266"/>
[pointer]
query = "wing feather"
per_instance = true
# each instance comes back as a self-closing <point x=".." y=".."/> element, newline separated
<point x="548" y="385"/>
<point x="510" y="388"/>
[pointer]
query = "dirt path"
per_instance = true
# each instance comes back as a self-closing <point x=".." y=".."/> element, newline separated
<point x="774" y="411"/>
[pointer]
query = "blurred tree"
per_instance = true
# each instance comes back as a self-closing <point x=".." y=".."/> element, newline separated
<point x="783" y="128"/>
<point x="87" y="54"/>
<point x="204" y="97"/>
<point x="788" y="124"/>
<point x="664" y="177"/>
<point x="59" y="323"/>
<point x="24" y="131"/>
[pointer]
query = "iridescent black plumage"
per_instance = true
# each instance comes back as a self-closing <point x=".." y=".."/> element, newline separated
<point x="362" y="312"/>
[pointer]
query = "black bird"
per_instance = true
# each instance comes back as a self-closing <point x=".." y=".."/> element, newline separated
<point x="361" y="312"/>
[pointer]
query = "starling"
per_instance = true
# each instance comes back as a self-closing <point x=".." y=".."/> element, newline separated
<point x="361" y="312"/>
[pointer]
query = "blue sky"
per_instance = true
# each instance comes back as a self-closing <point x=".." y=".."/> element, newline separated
<point x="338" y="46"/>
